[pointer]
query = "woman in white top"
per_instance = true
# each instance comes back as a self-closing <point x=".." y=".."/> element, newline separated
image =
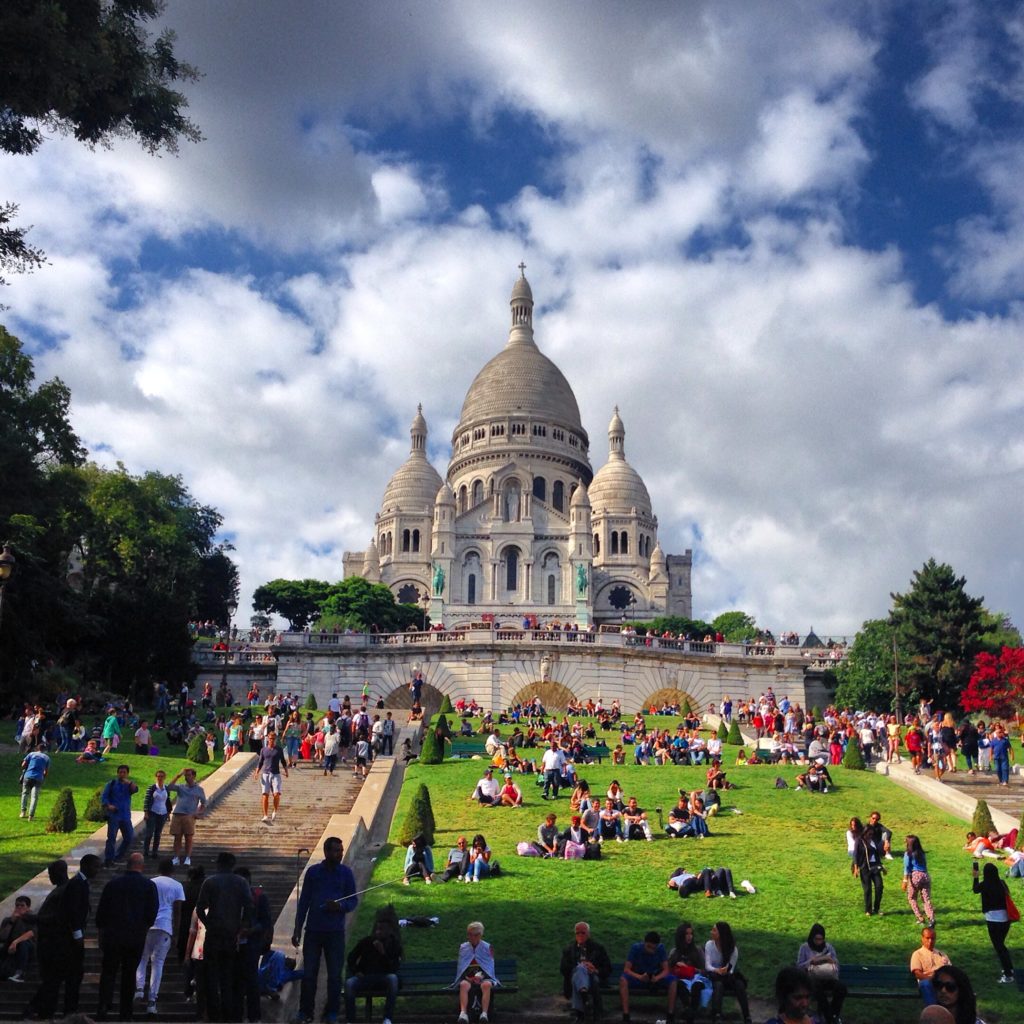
<point x="720" y="958"/>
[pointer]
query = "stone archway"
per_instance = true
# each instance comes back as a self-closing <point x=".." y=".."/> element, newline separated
<point x="400" y="699"/>
<point x="671" y="695"/>
<point x="554" y="696"/>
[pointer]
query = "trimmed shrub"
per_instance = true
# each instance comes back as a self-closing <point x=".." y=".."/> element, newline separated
<point x="432" y="751"/>
<point x="723" y="733"/>
<point x="310" y="703"/>
<point x="686" y="709"/>
<point x="816" y="713"/>
<point x="64" y="816"/>
<point x="734" y="739"/>
<point x="982" y="823"/>
<point x="94" y="808"/>
<point x="442" y="727"/>
<point x="853" y="757"/>
<point x="197" y="752"/>
<point x="419" y="818"/>
<point x="446" y="705"/>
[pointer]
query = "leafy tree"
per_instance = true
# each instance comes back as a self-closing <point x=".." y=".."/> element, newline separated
<point x="981" y="822"/>
<point x="419" y="819"/>
<point x="675" y="624"/>
<point x="89" y="70"/>
<point x="996" y="686"/>
<point x="998" y="632"/>
<point x="359" y="604"/>
<point x="853" y="757"/>
<point x="939" y="626"/>
<point x="197" y="751"/>
<point x="64" y="816"/>
<point x="299" y="601"/>
<point x="217" y="584"/>
<point x="736" y="627"/>
<point x="865" y="675"/>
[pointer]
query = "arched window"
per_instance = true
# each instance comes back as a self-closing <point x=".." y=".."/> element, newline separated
<point x="615" y="542"/>
<point x="512" y="569"/>
<point x="478" y="492"/>
<point x="558" y="495"/>
<point x="551" y="589"/>
<point x="409" y="594"/>
<point x="463" y="496"/>
<point x="391" y="543"/>
<point x="540" y="488"/>
<point x="597" y="543"/>
<point x="405" y="540"/>
<point x="624" y="543"/>
<point x="471" y="589"/>
<point x="415" y="540"/>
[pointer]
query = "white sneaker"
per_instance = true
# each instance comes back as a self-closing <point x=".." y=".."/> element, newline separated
<point x="888" y="856"/>
<point x="732" y="895"/>
<point x="463" y="1018"/>
<point x="151" y="1009"/>
<point x="139" y="995"/>
<point x="187" y="862"/>
<point x="1006" y="979"/>
<point x="484" y="1018"/>
<point x="746" y="884"/>
<point x="273" y="817"/>
<point x="175" y="861"/>
<point x="386" y="1020"/>
<point x="266" y="819"/>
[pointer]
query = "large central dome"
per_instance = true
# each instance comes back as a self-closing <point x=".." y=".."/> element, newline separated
<point x="520" y="379"/>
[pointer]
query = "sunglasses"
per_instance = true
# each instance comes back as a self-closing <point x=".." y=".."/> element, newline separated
<point x="947" y="986"/>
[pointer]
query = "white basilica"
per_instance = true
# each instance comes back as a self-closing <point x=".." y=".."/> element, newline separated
<point x="522" y="527"/>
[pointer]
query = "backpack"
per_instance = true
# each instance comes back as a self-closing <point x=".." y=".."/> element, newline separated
<point x="574" y="851"/>
<point x="781" y="783"/>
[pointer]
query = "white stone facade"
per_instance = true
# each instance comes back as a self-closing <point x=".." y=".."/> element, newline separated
<point x="521" y="526"/>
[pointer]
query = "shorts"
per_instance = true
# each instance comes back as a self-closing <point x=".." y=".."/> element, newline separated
<point x="183" y="824"/>
<point x="650" y="986"/>
<point x="361" y="762"/>
<point x="270" y="782"/>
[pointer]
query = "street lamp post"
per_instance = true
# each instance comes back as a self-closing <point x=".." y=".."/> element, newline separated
<point x="425" y="601"/>
<point x="8" y="563"/>
<point x="231" y="607"/>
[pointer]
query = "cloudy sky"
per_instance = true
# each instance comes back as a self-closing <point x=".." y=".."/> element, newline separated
<point x="786" y="238"/>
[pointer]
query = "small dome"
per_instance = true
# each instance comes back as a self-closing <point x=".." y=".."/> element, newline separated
<point x="445" y="495"/>
<point x="580" y="498"/>
<point x="419" y="424"/>
<point x="615" y="426"/>
<point x="618" y="487"/>
<point x="414" y="487"/>
<point x="521" y="289"/>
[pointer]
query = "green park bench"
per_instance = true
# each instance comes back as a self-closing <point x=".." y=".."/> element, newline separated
<point x="879" y="981"/>
<point x="420" y="978"/>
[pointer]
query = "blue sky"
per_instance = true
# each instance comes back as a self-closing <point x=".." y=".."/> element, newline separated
<point x="785" y="238"/>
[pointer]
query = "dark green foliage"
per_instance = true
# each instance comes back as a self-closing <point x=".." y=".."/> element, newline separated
<point x="446" y="705"/>
<point x="982" y="823"/>
<point x="64" y="816"/>
<point x="686" y="708"/>
<point x="723" y="732"/>
<point x="432" y="751"/>
<point x="1020" y="833"/>
<point x="865" y="675"/>
<point x="310" y="702"/>
<point x="737" y="627"/>
<point x="419" y="818"/>
<point x="197" y="752"/>
<point x="217" y="585"/>
<point x="94" y="808"/>
<point x="442" y="727"/>
<point x="299" y="601"/>
<point x="734" y="739"/>
<point x="696" y="629"/>
<point x="816" y="713"/>
<point x="362" y="605"/>
<point x="939" y="626"/>
<point x="853" y="757"/>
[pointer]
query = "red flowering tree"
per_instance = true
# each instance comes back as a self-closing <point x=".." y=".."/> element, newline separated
<point x="997" y="683"/>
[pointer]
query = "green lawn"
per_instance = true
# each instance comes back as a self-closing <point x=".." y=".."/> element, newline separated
<point x="790" y="844"/>
<point x="25" y="846"/>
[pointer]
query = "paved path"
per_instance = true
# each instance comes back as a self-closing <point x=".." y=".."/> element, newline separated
<point x="270" y="851"/>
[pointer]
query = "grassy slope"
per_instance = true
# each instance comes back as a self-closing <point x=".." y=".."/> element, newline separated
<point x="25" y="846"/>
<point x="790" y="844"/>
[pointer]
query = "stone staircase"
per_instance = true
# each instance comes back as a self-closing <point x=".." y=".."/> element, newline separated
<point x="273" y="853"/>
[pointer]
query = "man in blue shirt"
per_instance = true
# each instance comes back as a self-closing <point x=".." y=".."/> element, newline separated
<point x="117" y="803"/>
<point x="34" y="769"/>
<point x="646" y="969"/>
<point x="327" y="895"/>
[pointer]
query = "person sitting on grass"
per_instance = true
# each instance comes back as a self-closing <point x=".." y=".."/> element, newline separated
<point x="488" y="790"/>
<point x="814" y="780"/>
<point x="475" y="975"/>
<point x="457" y="866"/>
<point x="510" y="794"/>
<point x="479" y="859"/>
<point x="678" y="826"/>
<point x="611" y="822"/>
<point x="636" y="824"/>
<point x="698" y="818"/>
<point x="646" y="970"/>
<point x="980" y="846"/>
<point x="716" y="777"/>
<point x="91" y="754"/>
<point x="549" y="841"/>
<point x="419" y="860"/>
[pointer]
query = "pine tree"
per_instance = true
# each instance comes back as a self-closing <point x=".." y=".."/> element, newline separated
<point x="982" y="823"/>
<point x="940" y="627"/>
<point x="64" y="816"/>
<point x="310" y="702"/>
<point x="418" y="819"/>
<point x="197" y="752"/>
<point x="723" y="732"/>
<point x="853" y="757"/>
<point x="94" y="808"/>
<point x="735" y="738"/>
<point x="446" y="705"/>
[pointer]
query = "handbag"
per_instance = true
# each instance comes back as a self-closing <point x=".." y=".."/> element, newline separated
<point x="827" y="971"/>
<point x="1012" y="913"/>
<point x="686" y="971"/>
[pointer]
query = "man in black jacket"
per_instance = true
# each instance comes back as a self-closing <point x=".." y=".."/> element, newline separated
<point x="126" y="912"/>
<point x="585" y="967"/>
<point x="373" y="967"/>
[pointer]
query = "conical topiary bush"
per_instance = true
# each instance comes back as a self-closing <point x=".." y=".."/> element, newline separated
<point x="735" y="739"/>
<point x="94" y="808"/>
<point x="310" y="702"/>
<point x="853" y="756"/>
<point x="686" y="709"/>
<point x="432" y="751"/>
<point x="982" y="823"/>
<point x="816" y="713"/>
<point x="446" y="705"/>
<point x="723" y="732"/>
<point x="419" y="818"/>
<point x="442" y="727"/>
<point x="64" y="816"/>
<point x="197" y="752"/>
